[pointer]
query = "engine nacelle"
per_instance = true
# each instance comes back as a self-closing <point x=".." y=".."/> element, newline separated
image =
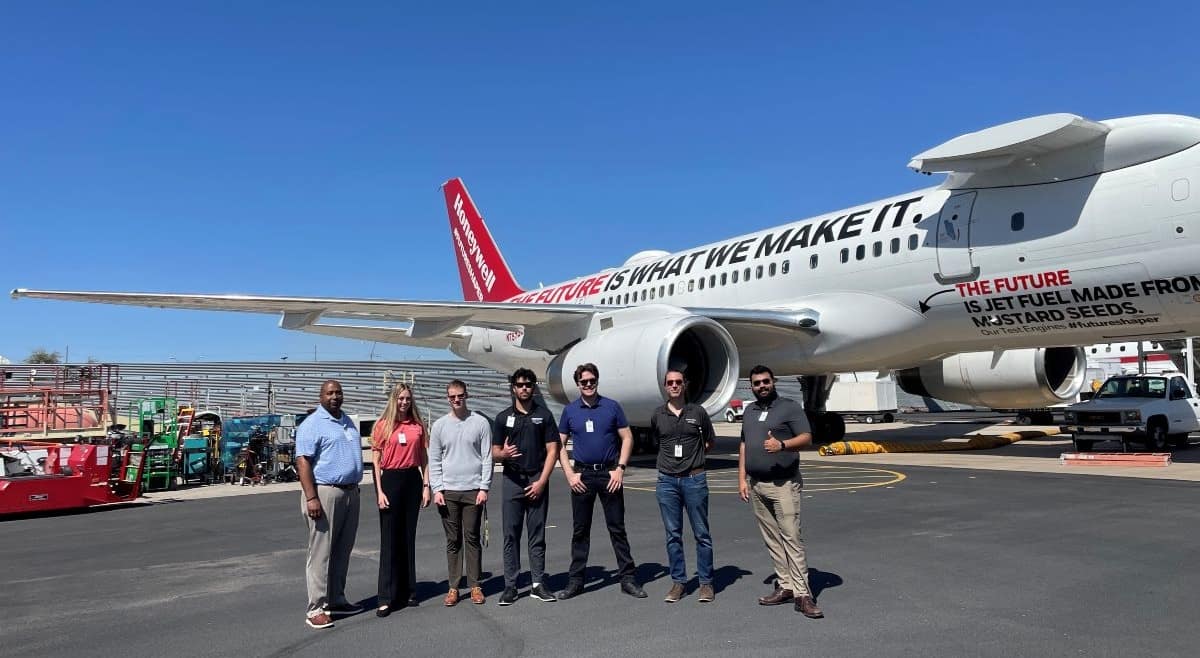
<point x="634" y="348"/>
<point x="1018" y="379"/>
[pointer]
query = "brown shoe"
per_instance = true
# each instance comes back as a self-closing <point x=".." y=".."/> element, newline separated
<point x="806" y="606"/>
<point x="778" y="597"/>
<point x="674" y="594"/>
<point x="320" y="620"/>
<point x="706" y="593"/>
<point x="477" y="595"/>
<point x="451" y="598"/>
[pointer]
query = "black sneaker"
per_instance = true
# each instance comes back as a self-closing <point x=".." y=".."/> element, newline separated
<point x="344" y="608"/>
<point x="540" y="593"/>
<point x="631" y="588"/>
<point x="574" y="588"/>
<point x="508" y="596"/>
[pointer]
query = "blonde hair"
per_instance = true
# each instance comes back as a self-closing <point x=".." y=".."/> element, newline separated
<point x="388" y="421"/>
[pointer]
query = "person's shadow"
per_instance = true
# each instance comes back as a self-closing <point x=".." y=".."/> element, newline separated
<point x="818" y="581"/>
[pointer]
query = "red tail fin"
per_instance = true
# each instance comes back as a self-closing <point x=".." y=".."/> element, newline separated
<point x="485" y="276"/>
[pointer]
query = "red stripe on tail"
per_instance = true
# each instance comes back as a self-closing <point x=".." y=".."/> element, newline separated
<point x="485" y="276"/>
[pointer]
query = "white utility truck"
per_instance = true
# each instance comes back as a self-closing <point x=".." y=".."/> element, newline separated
<point x="1146" y="409"/>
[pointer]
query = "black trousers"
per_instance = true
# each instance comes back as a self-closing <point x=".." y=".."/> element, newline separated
<point x="582" y="505"/>
<point x="519" y="510"/>
<point x="398" y="535"/>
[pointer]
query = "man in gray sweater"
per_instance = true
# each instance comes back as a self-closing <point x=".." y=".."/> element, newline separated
<point x="460" y="473"/>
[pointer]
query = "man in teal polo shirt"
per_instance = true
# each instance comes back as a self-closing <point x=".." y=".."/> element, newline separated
<point x="330" y="467"/>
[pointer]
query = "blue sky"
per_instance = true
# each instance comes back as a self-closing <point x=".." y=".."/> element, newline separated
<point x="297" y="148"/>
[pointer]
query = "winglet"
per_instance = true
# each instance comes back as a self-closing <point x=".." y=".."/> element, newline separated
<point x="485" y="276"/>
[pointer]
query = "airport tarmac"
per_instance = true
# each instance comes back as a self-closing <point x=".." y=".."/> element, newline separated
<point x="908" y="559"/>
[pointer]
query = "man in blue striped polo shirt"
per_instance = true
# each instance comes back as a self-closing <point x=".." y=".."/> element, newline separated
<point x="330" y="467"/>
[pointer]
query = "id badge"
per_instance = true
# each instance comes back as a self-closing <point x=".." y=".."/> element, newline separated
<point x="589" y="426"/>
<point x="762" y="417"/>
<point x="402" y="438"/>
<point x="511" y="421"/>
<point x="678" y="450"/>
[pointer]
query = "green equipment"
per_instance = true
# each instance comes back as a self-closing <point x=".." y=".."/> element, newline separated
<point x="157" y="423"/>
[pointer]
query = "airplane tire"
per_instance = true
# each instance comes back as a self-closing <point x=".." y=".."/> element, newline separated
<point x="833" y="426"/>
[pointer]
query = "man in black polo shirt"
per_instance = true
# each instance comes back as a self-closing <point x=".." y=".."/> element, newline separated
<point x="773" y="430"/>
<point x="685" y="435"/>
<point x="525" y="439"/>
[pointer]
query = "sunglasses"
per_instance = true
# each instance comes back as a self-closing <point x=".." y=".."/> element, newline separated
<point x="761" y="382"/>
<point x="460" y="396"/>
<point x="523" y="385"/>
<point x="586" y="383"/>
<point x="675" y="382"/>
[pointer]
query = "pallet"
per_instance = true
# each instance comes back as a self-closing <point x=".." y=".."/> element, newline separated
<point x="1115" y="459"/>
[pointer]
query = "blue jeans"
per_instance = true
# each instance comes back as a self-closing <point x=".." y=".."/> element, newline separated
<point x="674" y="495"/>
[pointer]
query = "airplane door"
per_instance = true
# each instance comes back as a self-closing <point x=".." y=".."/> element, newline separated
<point x="955" y="264"/>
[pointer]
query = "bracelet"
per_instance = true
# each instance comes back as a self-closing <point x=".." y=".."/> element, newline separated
<point x="309" y="500"/>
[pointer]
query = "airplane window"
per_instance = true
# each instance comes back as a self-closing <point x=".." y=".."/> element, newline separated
<point x="917" y="218"/>
<point x="691" y="285"/>
<point x="701" y="283"/>
<point x="812" y="263"/>
<point x="860" y="252"/>
<point x="912" y="242"/>
<point x="671" y="289"/>
<point x="652" y="294"/>
<point x="724" y="278"/>
<point x="877" y="249"/>
<point x="643" y="295"/>
<point x="662" y="291"/>
<point x="787" y="264"/>
<point x="1093" y="350"/>
<point x="895" y="245"/>
<point x="1018" y="221"/>
<point x="1122" y="348"/>
<point x="712" y="281"/>
<point x="771" y="269"/>
<point x="746" y="274"/>
<point x="758" y="272"/>
<point x="735" y="275"/>
<point x="845" y="255"/>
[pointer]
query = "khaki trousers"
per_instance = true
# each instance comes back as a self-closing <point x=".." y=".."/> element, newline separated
<point x="330" y="541"/>
<point x="777" y="508"/>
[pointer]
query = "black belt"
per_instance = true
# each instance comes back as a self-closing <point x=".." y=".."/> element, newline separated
<point x="694" y="471"/>
<point x="343" y="487"/>
<point x="595" y="467"/>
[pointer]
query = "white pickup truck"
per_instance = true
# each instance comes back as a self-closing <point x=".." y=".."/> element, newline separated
<point x="1146" y="409"/>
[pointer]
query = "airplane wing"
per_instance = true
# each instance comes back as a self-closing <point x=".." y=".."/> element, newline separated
<point x="548" y="327"/>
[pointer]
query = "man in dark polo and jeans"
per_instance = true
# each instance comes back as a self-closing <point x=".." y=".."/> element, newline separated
<point x="594" y="424"/>
<point x="685" y="435"/>
<point x="773" y="430"/>
<point x="525" y="440"/>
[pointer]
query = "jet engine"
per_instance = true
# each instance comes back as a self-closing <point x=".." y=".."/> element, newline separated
<point x="1013" y="379"/>
<point x="633" y="350"/>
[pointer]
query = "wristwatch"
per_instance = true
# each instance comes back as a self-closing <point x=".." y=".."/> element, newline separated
<point x="621" y="466"/>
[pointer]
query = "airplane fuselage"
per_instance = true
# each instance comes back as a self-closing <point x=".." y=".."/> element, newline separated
<point x="1100" y="258"/>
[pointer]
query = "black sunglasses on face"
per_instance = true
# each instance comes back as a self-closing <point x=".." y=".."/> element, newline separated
<point x="675" y="382"/>
<point x="586" y="383"/>
<point x="523" y="385"/>
<point x="761" y="382"/>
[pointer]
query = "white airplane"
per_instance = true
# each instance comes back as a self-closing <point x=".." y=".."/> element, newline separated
<point x="1049" y="232"/>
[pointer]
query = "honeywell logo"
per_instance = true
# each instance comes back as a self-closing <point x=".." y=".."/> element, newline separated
<point x="473" y="253"/>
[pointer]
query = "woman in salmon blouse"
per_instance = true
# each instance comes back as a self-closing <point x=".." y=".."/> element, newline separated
<point x="400" y="453"/>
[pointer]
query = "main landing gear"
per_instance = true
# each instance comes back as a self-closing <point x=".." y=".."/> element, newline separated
<point x="827" y="426"/>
